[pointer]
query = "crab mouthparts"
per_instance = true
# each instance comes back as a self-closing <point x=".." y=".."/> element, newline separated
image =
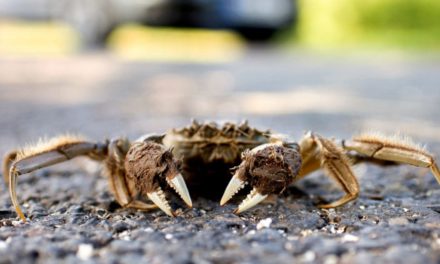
<point x="253" y="198"/>
<point x="178" y="184"/>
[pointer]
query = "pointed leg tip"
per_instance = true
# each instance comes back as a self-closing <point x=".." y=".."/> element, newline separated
<point x="20" y="214"/>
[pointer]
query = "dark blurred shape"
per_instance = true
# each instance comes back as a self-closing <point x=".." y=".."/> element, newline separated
<point x="256" y="20"/>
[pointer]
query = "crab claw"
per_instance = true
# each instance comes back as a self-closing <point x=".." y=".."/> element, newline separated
<point x="253" y="198"/>
<point x="151" y="166"/>
<point x="179" y="185"/>
<point x="158" y="198"/>
<point x="233" y="187"/>
<point x="268" y="168"/>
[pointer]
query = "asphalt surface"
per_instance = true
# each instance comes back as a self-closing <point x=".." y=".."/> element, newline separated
<point x="73" y="216"/>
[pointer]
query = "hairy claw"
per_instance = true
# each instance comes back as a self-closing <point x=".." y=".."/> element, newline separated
<point x="151" y="166"/>
<point x="268" y="168"/>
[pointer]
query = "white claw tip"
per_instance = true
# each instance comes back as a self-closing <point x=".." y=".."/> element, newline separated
<point x="158" y="198"/>
<point x="179" y="185"/>
<point x="233" y="187"/>
<point x="253" y="198"/>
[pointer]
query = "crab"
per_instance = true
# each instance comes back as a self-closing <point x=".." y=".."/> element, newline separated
<point x="210" y="156"/>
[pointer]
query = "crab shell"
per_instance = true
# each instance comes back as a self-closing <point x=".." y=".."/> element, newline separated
<point x="209" y="151"/>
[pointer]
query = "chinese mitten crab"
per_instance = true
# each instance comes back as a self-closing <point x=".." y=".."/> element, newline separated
<point x="202" y="155"/>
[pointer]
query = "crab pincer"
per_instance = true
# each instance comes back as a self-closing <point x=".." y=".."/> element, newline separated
<point x="151" y="166"/>
<point x="269" y="169"/>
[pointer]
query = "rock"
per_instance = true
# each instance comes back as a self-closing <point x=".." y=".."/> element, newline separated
<point x="265" y="223"/>
<point x="121" y="226"/>
<point x="85" y="252"/>
<point x="398" y="221"/>
<point x="123" y="247"/>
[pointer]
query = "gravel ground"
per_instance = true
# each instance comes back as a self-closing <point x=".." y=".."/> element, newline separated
<point x="73" y="216"/>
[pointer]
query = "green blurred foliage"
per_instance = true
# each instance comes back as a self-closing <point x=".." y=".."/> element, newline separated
<point x="412" y="24"/>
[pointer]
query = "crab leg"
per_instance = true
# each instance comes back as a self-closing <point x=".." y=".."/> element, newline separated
<point x="393" y="149"/>
<point x="7" y="161"/>
<point x="28" y="162"/>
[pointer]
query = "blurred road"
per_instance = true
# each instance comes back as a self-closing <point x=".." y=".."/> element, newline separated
<point x="100" y="95"/>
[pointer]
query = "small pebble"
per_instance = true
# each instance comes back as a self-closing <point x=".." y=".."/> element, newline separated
<point x="288" y="246"/>
<point x="332" y="229"/>
<point x="306" y="232"/>
<point x="309" y="256"/>
<point x="265" y="223"/>
<point x="149" y="230"/>
<point x="349" y="238"/>
<point x="121" y="227"/>
<point x="252" y="232"/>
<point x="125" y="235"/>
<point x="291" y="238"/>
<point x="3" y="245"/>
<point x="398" y="221"/>
<point x="331" y="259"/>
<point x="17" y="223"/>
<point x="85" y="252"/>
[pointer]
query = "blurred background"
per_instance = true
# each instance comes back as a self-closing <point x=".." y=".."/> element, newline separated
<point x="107" y="68"/>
